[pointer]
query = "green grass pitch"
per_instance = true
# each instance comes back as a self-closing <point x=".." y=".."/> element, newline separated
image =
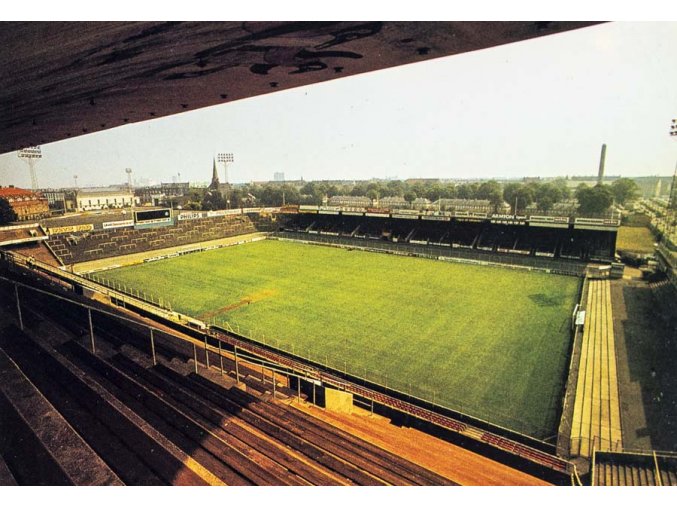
<point x="488" y="341"/>
<point x="635" y="239"/>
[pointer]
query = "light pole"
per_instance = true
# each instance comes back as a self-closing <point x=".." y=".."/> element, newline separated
<point x="671" y="212"/>
<point x="225" y="158"/>
<point x="31" y="156"/>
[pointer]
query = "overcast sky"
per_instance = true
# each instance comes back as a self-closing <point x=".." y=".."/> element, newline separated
<point x="541" y="107"/>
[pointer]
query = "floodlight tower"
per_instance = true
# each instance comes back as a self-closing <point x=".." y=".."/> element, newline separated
<point x="129" y="178"/>
<point x="225" y="158"/>
<point x="672" y="199"/>
<point x="31" y="156"/>
<point x="75" y="179"/>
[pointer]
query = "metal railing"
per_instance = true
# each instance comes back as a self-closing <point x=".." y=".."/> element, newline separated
<point x="566" y="421"/>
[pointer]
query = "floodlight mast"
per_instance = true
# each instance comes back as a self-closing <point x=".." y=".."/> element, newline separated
<point x="224" y="158"/>
<point x="672" y="198"/>
<point x="129" y="178"/>
<point x="31" y="156"/>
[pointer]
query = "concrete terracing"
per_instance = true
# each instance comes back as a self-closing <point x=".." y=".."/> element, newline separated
<point x="596" y="419"/>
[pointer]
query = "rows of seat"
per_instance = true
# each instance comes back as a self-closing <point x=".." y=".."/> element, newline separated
<point x="434" y="249"/>
<point x="596" y="422"/>
<point x="158" y="425"/>
<point x="128" y="445"/>
<point x="576" y="244"/>
<point x="50" y="444"/>
<point x="99" y="244"/>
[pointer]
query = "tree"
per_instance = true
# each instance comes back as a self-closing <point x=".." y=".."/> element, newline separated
<point x="518" y="195"/>
<point x="410" y="196"/>
<point x="308" y="188"/>
<point x="594" y="200"/>
<point x="449" y="191"/>
<point x="491" y="191"/>
<point x="395" y="188"/>
<point x="434" y="191"/>
<point x="547" y="195"/>
<point x="291" y="194"/>
<point x="624" y="190"/>
<point x="564" y="189"/>
<point x="213" y="200"/>
<point x="467" y="191"/>
<point x="510" y="192"/>
<point x="359" y="189"/>
<point x="7" y="214"/>
<point x="580" y="190"/>
<point x="523" y="197"/>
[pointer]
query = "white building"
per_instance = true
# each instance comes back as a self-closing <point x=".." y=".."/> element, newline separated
<point x="88" y="200"/>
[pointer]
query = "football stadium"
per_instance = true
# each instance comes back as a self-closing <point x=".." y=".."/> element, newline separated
<point x="276" y="335"/>
<point x="411" y="331"/>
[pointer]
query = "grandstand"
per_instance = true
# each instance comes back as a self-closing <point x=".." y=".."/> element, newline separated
<point x="76" y="247"/>
<point x="511" y="236"/>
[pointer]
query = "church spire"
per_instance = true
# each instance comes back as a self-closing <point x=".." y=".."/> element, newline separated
<point x="215" y="178"/>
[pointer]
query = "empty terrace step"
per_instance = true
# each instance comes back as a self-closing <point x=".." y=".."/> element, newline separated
<point x="6" y="476"/>
<point x="669" y="477"/>
<point x="302" y="424"/>
<point x="201" y="444"/>
<point x="271" y="461"/>
<point x="231" y="424"/>
<point x="74" y="387"/>
<point x="368" y="462"/>
<point x="42" y="446"/>
<point x="99" y="436"/>
<point x="280" y="433"/>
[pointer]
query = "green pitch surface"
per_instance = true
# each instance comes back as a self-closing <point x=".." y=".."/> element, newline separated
<point x="635" y="239"/>
<point x="490" y="342"/>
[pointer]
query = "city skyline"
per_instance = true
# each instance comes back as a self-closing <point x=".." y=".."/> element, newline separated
<point x="534" y="108"/>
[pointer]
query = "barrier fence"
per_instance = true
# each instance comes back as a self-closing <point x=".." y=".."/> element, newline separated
<point x="566" y="421"/>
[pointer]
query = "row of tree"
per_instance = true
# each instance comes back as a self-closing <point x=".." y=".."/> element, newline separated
<point x="518" y="195"/>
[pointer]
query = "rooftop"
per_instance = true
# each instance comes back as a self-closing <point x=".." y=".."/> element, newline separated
<point x="15" y="192"/>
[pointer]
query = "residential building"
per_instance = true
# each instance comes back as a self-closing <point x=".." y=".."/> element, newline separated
<point x="395" y="202"/>
<point x="27" y="205"/>
<point x="352" y="201"/>
<point x="107" y="198"/>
